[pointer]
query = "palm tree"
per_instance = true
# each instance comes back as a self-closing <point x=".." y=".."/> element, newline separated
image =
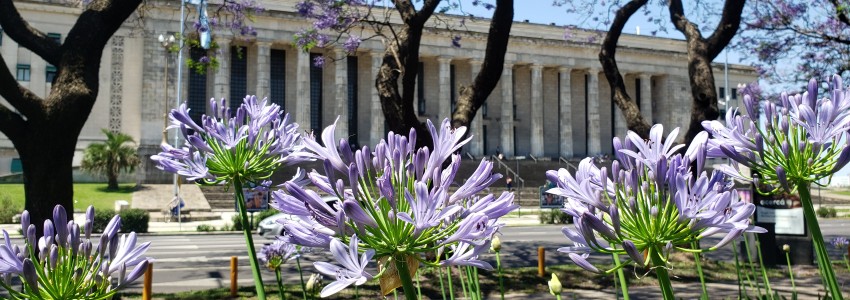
<point x="110" y="157"/>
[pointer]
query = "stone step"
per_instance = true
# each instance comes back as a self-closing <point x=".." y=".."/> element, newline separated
<point x="188" y="217"/>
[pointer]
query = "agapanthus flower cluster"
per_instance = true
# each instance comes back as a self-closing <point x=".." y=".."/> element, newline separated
<point x="65" y="264"/>
<point x="840" y="243"/>
<point x="278" y="253"/>
<point x="394" y="205"/>
<point x="650" y="202"/>
<point x="799" y="140"/>
<point x="247" y="146"/>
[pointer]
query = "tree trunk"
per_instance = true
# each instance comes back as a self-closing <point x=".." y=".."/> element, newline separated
<point x="703" y="91"/>
<point x="471" y="98"/>
<point x="112" y="180"/>
<point x="48" y="173"/>
<point x="634" y="120"/>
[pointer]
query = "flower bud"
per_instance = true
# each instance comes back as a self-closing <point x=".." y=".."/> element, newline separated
<point x="314" y="282"/>
<point x="555" y="286"/>
<point x="786" y="248"/>
<point x="496" y="244"/>
<point x="30" y="275"/>
<point x="25" y="221"/>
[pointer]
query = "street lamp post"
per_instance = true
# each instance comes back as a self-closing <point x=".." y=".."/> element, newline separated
<point x="166" y="43"/>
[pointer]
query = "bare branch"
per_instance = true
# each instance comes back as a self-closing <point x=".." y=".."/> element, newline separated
<point x="27" y="36"/>
<point x="18" y="96"/>
<point x="607" y="57"/>
<point x="730" y="21"/>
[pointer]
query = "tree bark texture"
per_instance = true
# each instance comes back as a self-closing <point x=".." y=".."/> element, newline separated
<point x="607" y="56"/>
<point x="471" y="98"/>
<point x="45" y="131"/>
<point x="701" y="52"/>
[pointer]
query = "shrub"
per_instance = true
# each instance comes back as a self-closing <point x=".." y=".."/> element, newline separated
<point x="827" y="212"/>
<point x="101" y="219"/>
<point x="205" y="228"/>
<point x="554" y="216"/>
<point x="134" y="219"/>
<point x="8" y="209"/>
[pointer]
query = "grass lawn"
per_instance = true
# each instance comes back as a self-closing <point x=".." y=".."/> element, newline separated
<point x="85" y="194"/>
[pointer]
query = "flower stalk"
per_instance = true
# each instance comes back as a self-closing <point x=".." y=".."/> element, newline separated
<point x="404" y="275"/>
<point x="249" y="239"/>
<point x="660" y="266"/>
<point x="824" y="265"/>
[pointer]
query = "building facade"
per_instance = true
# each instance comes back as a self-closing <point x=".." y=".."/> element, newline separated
<point x="552" y="99"/>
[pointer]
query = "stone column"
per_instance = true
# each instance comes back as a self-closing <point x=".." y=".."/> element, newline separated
<point x="537" y="110"/>
<point x="506" y="138"/>
<point x="646" y="97"/>
<point x="263" y="69"/>
<point x="594" y="142"/>
<point x="302" y="90"/>
<point x="221" y="79"/>
<point x="341" y="82"/>
<point x="476" y="128"/>
<point x="444" y="102"/>
<point x="377" y="130"/>
<point x="564" y="123"/>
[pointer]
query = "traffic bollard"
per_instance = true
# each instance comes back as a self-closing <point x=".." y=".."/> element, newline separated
<point x="233" y="276"/>
<point x="541" y="262"/>
<point x="148" y="282"/>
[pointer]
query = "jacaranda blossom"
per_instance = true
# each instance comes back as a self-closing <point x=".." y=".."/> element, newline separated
<point x="396" y="200"/>
<point x="86" y="271"/>
<point x="650" y="202"/>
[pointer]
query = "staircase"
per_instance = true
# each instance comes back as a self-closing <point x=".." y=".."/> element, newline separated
<point x="220" y="197"/>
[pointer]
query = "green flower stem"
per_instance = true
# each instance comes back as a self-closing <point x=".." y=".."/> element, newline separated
<point x="698" y="262"/>
<point x="449" y="278"/>
<point x="418" y="285"/>
<point x="442" y="288"/>
<point x="474" y="272"/>
<point x="501" y="278"/>
<point x="790" y="272"/>
<point x="280" y="287"/>
<point x="462" y="283"/>
<point x="660" y="266"/>
<point x="847" y="262"/>
<point x="558" y="297"/>
<point x="752" y="264"/>
<point x="742" y="292"/>
<point x="820" y="249"/>
<point x="763" y="270"/>
<point x="404" y="276"/>
<point x="246" y="228"/>
<point x="624" y="287"/>
<point x="300" y="273"/>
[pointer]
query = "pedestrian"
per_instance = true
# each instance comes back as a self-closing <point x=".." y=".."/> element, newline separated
<point x="509" y="183"/>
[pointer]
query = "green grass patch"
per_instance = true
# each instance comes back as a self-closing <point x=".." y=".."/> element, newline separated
<point x="85" y="194"/>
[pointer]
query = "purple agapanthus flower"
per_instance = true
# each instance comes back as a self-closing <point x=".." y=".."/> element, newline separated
<point x="353" y="270"/>
<point x="649" y="199"/>
<point x="799" y="139"/>
<point x="66" y="252"/>
<point x="261" y="135"/>
<point x="396" y="198"/>
<point x="278" y="253"/>
<point x="840" y="243"/>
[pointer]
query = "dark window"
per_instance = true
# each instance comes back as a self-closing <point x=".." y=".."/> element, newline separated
<point x="1" y="36"/>
<point x="49" y="73"/>
<point x="23" y="73"/>
<point x="55" y="37"/>
<point x="734" y="94"/>
<point x="452" y="88"/>
<point x="722" y="93"/>
<point x="197" y="100"/>
<point x="315" y="95"/>
<point x="238" y="77"/>
<point x="420" y="89"/>
<point x="277" y="78"/>
<point x="17" y="166"/>
<point x="484" y="139"/>
<point x="484" y="110"/>
<point x="637" y="92"/>
<point x="352" y="97"/>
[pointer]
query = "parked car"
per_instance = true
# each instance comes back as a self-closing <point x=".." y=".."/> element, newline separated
<point x="270" y="228"/>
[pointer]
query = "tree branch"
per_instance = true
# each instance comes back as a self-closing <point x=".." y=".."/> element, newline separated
<point x="426" y="11"/>
<point x="631" y="112"/>
<point x="730" y="21"/>
<point x="473" y="97"/>
<point x="21" y="98"/>
<point x="27" y="36"/>
<point x="840" y="12"/>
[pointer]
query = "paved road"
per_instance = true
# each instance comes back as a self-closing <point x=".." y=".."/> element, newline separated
<point x="201" y="261"/>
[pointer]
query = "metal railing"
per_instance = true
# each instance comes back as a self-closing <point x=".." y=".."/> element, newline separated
<point x="471" y="157"/>
<point x="561" y="159"/>
<point x="532" y="157"/>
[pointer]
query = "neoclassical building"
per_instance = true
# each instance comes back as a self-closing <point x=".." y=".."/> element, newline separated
<point x="552" y="99"/>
